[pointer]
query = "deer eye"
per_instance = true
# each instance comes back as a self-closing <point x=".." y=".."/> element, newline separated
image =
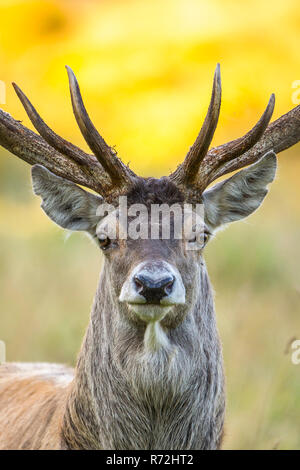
<point x="104" y="241"/>
<point x="205" y="236"/>
<point x="201" y="238"/>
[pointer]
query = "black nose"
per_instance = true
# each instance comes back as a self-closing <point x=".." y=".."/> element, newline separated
<point x="154" y="290"/>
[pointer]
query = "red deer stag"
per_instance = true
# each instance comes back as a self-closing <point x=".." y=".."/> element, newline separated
<point x="149" y="374"/>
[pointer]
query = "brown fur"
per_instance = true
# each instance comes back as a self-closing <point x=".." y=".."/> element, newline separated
<point x="36" y="425"/>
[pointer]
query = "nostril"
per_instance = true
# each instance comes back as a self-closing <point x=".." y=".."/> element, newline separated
<point x="169" y="286"/>
<point x="138" y="284"/>
<point x="153" y="288"/>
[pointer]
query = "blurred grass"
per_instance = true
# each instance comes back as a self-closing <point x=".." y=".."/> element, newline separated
<point x="145" y="69"/>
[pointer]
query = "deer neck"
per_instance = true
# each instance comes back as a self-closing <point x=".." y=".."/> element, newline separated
<point x="123" y="397"/>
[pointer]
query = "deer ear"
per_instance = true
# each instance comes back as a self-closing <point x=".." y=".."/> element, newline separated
<point x="239" y="196"/>
<point x="64" y="202"/>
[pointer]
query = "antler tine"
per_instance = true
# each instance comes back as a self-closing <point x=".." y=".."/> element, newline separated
<point x="236" y="148"/>
<point x="279" y="135"/>
<point x="57" y="142"/>
<point x="105" y="155"/>
<point x="33" y="149"/>
<point x="189" y="169"/>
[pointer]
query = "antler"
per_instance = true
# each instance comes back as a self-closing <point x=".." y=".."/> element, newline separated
<point x="201" y="166"/>
<point x="107" y="175"/>
<point x="104" y="172"/>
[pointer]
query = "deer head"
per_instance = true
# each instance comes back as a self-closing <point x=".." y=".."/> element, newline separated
<point x="151" y="279"/>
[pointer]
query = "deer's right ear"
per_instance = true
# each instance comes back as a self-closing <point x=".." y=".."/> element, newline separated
<point x="68" y="205"/>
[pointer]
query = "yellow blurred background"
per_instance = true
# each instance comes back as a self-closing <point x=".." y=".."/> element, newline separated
<point x="145" y="69"/>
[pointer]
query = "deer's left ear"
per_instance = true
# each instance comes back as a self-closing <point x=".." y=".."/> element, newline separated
<point x="239" y="196"/>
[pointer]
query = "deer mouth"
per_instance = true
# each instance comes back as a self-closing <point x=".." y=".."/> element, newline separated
<point x="150" y="313"/>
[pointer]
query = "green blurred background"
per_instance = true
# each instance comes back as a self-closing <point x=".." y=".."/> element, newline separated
<point x="145" y="69"/>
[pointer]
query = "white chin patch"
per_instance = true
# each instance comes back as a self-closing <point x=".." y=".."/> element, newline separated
<point x="155" y="337"/>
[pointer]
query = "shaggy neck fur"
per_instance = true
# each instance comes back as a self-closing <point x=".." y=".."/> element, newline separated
<point x="126" y="398"/>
